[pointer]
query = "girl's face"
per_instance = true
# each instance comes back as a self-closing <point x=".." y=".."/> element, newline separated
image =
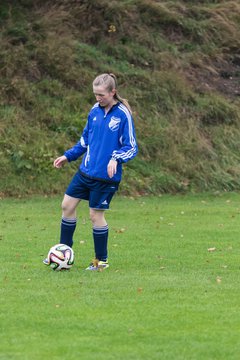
<point x="103" y="96"/>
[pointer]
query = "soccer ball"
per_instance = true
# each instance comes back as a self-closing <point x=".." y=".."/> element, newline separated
<point x="60" y="257"/>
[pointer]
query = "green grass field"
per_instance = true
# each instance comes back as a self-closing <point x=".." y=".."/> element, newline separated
<point x="165" y="296"/>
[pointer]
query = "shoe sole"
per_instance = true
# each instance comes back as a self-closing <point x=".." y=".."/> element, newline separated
<point x="99" y="268"/>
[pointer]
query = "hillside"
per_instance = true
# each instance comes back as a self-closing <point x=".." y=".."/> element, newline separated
<point x="178" y="64"/>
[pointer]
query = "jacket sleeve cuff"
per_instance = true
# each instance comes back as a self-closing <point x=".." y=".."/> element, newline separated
<point x="117" y="160"/>
<point x="67" y="156"/>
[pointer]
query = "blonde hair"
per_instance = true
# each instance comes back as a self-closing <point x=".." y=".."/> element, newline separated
<point x="109" y="81"/>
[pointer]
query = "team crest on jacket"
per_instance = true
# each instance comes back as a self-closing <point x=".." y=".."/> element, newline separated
<point x="114" y="123"/>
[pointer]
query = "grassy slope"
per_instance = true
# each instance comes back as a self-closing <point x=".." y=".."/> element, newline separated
<point x="177" y="62"/>
<point x="163" y="297"/>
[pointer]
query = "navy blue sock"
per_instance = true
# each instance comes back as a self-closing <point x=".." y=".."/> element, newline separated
<point x="100" y="237"/>
<point x="68" y="227"/>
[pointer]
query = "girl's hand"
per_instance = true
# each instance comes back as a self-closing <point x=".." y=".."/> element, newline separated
<point x="112" y="168"/>
<point x="60" y="161"/>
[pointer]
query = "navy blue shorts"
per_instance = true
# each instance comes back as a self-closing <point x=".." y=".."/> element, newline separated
<point x="97" y="192"/>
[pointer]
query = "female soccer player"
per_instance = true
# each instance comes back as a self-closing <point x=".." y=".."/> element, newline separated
<point x="108" y="140"/>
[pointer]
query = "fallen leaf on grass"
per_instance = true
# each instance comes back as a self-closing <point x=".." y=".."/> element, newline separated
<point x="120" y="230"/>
<point x="212" y="249"/>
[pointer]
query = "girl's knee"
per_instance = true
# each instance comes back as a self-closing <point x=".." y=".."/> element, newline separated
<point x="97" y="217"/>
<point x="65" y="206"/>
<point x="69" y="207"/>
<point x="92" y="214"/>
